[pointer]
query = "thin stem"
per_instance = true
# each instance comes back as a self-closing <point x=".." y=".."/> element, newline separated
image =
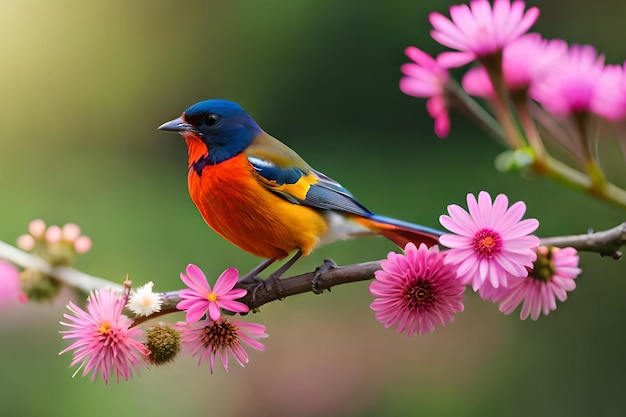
<point x="606" y="243"/>
<point x="66" y="274"/>
<point x="493" y="65"/>
<point x="563" y="173"/>
<point x="592" y="164"/>
<point x="528" y="124"/>
<point x="463" y="102"/>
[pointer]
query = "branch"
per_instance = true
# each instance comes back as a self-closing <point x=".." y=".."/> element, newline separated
<point x="606" y="243"/>
<point x="258" y="294"/>
<point x="66" y="274"/>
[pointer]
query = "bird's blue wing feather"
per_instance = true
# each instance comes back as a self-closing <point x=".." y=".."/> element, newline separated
<point x="275" y="173"/>
<point x="312" y="188"/>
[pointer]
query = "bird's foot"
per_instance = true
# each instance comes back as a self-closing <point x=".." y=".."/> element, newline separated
<point x="319" y="271"/>
<point x="252" y="283"/>
<point x="249" y="280"/>
<point x="271" y="283"/>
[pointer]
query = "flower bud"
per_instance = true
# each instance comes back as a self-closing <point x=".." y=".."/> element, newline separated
<point x="163" y="343"/>
<point x="38" y="286"/>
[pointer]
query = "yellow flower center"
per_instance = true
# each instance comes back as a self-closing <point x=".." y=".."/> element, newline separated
<point x="212" y="297"/>
<point x="104" y="328"/>
<point x="487" y="243"/>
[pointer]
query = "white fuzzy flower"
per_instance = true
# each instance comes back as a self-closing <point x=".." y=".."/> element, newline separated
<point x="143" y="301"/>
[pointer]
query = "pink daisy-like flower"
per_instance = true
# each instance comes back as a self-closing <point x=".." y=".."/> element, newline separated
<point x="490" y="242"/>
<point x="425" y="78"/>
<point x="573" y="85"/>
<point x="217" y="339"/>
<point x="610" y="102"/>
<point x="520" y="72"/>
<point x="416" y="291"/>
<point x="479" y="31"/>
<point x="551" y="278"/>
<point x="105" y="341"/>
<point x="10" y="289"/>
<point x="200" y="298"/>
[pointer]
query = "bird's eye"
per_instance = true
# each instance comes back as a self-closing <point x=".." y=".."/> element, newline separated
<point x="211" y="119"/>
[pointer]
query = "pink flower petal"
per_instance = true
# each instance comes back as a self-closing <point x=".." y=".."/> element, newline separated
<point x="479" y="31"/>
<point x="234" y="306"/>
<point x="226" y="281"/>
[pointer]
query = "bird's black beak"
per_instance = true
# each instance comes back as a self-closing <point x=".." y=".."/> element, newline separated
<point x="176" y="125"/>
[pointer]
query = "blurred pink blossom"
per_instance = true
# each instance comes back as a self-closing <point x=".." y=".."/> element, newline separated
<point x="573" y="86"/>
<point x="10" y="289"/>
<point x="425" y="78"/>
<point x="478" y="30"/>
<point x="520" y="71"/>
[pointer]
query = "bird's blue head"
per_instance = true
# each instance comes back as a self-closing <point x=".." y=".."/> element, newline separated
<point x="223" y="126"/>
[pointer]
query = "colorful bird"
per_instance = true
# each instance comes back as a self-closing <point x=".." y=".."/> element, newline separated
<point x="260" y="195"/>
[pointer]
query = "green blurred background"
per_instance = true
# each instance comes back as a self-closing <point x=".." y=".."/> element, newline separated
<point x="83" y="86"/>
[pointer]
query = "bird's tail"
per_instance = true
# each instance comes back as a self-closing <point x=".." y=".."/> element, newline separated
<point x="400" y="232"/>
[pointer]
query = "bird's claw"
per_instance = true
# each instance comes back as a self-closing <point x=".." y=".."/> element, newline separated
<point x="249" y="280"/>
<point x="252" y="283"/>
<point x="319" y="271"/>
<point x="271" y="284"/>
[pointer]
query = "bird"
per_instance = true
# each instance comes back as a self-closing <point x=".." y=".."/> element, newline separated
<point x="259" y="194"/>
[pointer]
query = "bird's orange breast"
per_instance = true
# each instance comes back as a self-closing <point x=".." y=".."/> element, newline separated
<point x="235" y="205"/>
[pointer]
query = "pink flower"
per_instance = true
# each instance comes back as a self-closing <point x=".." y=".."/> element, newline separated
<point x="200" y="298"/>
<point x="479" y="31"/>
<point x="573" y="85"/>
<point x="520" y="72"/>
<point x="552" y="277"/>
<point x="10" y="289"/>
<point x="490" y="242"/>
<point x="416" y="291"/>
<point x="426" y="78"/>
<point x="610" y="102"/>
<point x="105" y="341"/>
<point x="211" y="339"/>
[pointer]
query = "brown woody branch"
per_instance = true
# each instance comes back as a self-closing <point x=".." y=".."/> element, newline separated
<point x="606" y="243"/>
<point x="258" y="294"/>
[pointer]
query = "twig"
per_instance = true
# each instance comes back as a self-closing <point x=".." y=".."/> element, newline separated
<point x="259" y="295"/>
<point x="68" y="275"/>
<point x="606" y="243"/>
